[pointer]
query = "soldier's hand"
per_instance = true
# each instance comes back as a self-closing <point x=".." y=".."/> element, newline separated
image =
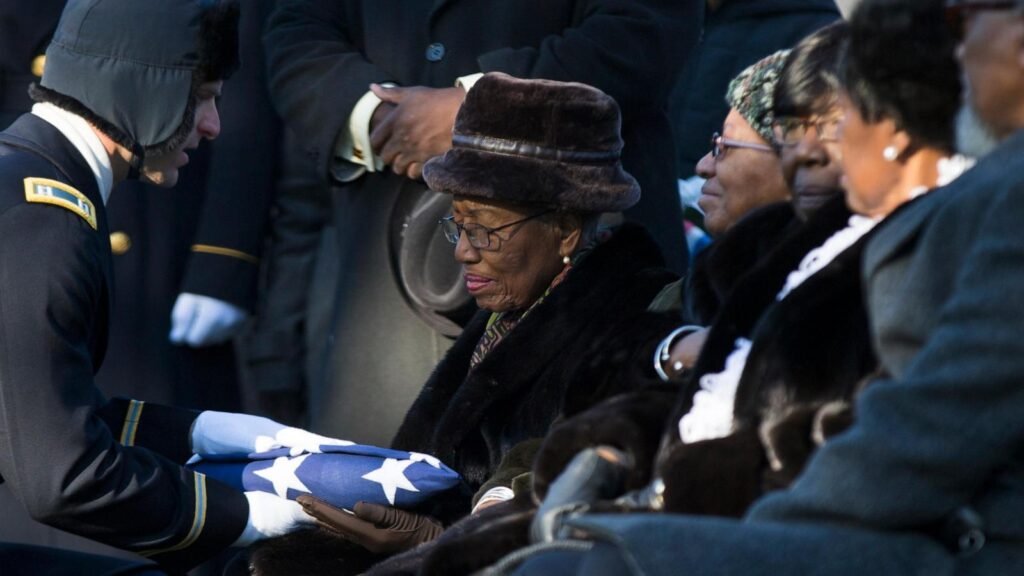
<point x="228" y="433"/>
<point x="198" y="320"/>
<point x="419" y="128"/>
<point x="271" y="516"/>
<point x="379" y="529"/>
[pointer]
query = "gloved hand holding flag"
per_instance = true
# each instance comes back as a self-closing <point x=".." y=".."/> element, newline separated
<point x="338" y="475"/>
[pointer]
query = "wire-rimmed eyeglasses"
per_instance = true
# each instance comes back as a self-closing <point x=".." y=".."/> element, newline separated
<point x="790" y="131"/>
<point x="720" y="144"/>
<point x="480" y="237"/>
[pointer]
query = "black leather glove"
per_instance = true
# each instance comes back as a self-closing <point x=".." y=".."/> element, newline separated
<point x="379" y="529"/>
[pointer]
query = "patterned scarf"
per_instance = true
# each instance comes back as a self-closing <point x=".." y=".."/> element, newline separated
<point x="501" y="323"/>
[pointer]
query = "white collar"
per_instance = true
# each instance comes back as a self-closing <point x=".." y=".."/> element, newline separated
<point x="950" y="168"/>
<point x="81" y="134"/>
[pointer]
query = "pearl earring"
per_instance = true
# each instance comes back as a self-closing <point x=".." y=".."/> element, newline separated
<point x="566" y="260"/>
<point x="890" y="153"/>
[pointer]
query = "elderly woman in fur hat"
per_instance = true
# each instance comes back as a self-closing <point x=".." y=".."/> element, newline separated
<point x="533" y="166"/>
<point x="488" y="534"/>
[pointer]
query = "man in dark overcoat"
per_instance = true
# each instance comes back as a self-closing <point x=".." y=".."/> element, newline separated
<point x="930" y="478"/>
<point x="399" y="289"/>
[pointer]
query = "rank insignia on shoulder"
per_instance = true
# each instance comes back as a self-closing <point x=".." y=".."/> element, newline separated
<point x="46" y="191"/>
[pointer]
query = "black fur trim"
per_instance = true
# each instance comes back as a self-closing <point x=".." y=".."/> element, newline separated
<point x="631" y="422"/>
<point x="41" y="94"/>
<point x="719" y="477"/>
<point x="810" y="349"/>
<point x="756" y="291"/>
<point x="519" y="389"/>
<point x="718" y="268"/>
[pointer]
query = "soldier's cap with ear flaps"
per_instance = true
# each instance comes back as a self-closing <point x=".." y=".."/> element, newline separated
<point x="132" y="68"/>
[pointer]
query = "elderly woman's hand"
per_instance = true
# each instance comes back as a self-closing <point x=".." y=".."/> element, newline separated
<point x="379" y="529"/>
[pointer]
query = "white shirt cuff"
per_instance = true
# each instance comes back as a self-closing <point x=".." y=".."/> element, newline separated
<point x="467" y="82"/>
<point x="496" y="494"/>
<point x="352" y="152"/>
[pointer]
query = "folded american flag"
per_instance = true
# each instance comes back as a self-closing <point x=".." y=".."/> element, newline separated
<point x="340" y="475"/>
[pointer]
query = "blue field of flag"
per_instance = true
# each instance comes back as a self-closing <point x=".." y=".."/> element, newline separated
<point x="340" y="475"/>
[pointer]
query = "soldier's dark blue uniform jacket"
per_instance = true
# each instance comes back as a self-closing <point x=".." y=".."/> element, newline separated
<point x="105" y="470"/>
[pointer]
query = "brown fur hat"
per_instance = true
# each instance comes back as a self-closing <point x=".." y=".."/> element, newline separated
<point x="536" y="142"/>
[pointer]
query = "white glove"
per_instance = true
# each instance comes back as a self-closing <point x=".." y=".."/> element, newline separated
<point x="229" y="433"/>
<point x="270" y="516"/>
<point x="203" y="321"/>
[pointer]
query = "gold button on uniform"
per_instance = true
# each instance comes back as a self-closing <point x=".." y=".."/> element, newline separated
<point x="120" y="243"/>
<point x="38" y="65"/>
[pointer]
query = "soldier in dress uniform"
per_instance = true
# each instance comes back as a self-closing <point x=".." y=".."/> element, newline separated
<point x="129" y="90"/>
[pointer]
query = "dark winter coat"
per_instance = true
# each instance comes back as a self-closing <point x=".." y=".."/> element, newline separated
<point x="811" y="348"/>
<point x="588" y="340"/>
<point x="940" y="433"/>
<point x="719" y="267"/>
<point x="545" y="366"/>
<point x="819" y="327"/>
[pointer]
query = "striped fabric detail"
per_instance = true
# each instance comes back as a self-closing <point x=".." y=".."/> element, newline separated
<point x="131" y="423"/>
<point x="229" y="252"/>
<point x="198" y="519"/>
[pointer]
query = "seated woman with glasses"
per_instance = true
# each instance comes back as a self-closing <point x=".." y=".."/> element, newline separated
<point x="743" y="178"/>
<point x="804" y="104"/>
<point x="533" y="166"/>
<point x="792" y="344"/>
<point x="723" y="475"/>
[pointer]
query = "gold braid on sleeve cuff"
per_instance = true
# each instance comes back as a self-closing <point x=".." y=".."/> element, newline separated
<point x="229" y="252"/>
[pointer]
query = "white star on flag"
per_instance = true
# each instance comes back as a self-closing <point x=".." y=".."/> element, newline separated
<point x="282" y="475"/>
<point x="417" y="457"/>
<point x="391" y="476"/>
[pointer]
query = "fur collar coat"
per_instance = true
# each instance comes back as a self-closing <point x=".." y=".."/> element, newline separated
<point x="719" y="267"/>
<point x="810" y="353"/>
<point x="559" y="358"/>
